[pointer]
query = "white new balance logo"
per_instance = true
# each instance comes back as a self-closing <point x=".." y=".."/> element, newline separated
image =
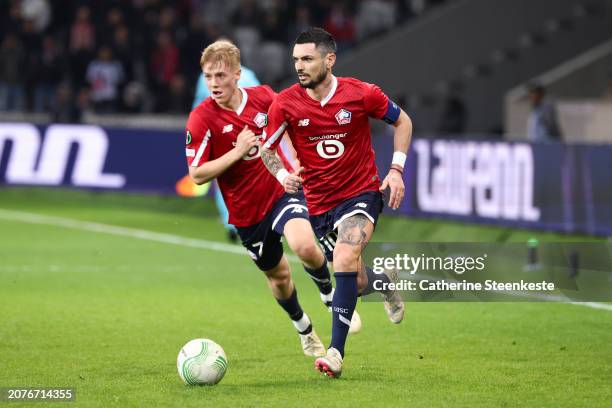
<point x="361" y="205"/>
<point x="303" y="122"/>
<point x="228" y="128"/>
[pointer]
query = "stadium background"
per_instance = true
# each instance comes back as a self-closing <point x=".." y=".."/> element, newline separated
<point x="105" y="270"/>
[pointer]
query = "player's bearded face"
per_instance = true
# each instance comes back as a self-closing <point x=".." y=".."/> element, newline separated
<point x="312" y="80"/>
<point x="310" y="65"/>
<point x="221" y="81"/>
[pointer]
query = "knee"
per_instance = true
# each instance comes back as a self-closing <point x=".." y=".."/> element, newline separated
<point x="308" y="251"/>
<point x="280" y="278"/>
<point x="346" y="258"/>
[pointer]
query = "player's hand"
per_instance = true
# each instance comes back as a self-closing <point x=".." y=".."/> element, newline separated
<point x="293" y="181"/>
<point x="245" y="141"/>
<point x="395" y="182"/>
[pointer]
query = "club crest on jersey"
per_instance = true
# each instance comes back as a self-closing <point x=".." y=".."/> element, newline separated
<point x="343" y="117"/>
<point x="228" y="128"/>
<point x="261" y="119"/>
<point x="188" y="137"/>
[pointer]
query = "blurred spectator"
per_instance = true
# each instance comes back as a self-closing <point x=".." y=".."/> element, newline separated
<point x="105" y="74"/>
<point x="49" y="72"/>
<point x="542" y="125"/>
<point x="12" y="59"/>
<point x="340" y="25"/>
<point x="123" y="49"/>
<point x="179" y="100"/>
<point x="145" y="37"/>
<point x="274" y="27"/>
<point x="65" y="110"/>
<point x="318" y="10"/>
<point x="82" y="43"/>
<point x="164" y="66"/>
<point x="82" y="33"/>
<point x="114" y="20"/>
<point x="134" y="98"/>
<point x="247" y="14"/>
<point x="167" y="18"/>
<point x="164" y="60"/>
<point x="302" y="22"/>
<point x="193" y="46"/>
<point x="37" y="11"/>
<point x="375" y="17"/>
<point x="10" y="17"/>
<point x="31" y="41"/>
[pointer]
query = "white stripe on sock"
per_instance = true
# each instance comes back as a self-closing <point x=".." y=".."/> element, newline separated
<point x="344" y="320"/>
<point x="328" y="297"/>
<point x="302" y="324"/>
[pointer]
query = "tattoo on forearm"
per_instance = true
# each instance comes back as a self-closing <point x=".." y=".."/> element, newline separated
<point x="271" y="161"/>
<point x="352" y="231"/>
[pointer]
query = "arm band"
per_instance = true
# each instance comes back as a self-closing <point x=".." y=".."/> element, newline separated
<point x="393" y="112"/>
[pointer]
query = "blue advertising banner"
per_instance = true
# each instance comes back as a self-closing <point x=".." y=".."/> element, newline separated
<point x="552" y="186"/>
<point x="91" y="157"/>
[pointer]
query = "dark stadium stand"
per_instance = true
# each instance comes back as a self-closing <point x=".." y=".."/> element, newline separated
<point x="142" y="56"/>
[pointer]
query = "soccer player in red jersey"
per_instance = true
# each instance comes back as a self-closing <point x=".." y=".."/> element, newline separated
<point x="327" y="120"/>
<point x="223" y="142"/>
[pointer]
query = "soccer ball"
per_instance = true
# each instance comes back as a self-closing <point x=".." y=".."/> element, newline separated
<point x="201" y="362"/>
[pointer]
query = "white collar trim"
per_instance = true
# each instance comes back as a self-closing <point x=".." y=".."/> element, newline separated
<point x="245" y="96"/>
<point x="331" y="92"/>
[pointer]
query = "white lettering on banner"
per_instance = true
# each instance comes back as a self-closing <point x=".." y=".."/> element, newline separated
<point x="26" y="144"/>
<point x="492" y="180"/>
<point x="50" y="169"/>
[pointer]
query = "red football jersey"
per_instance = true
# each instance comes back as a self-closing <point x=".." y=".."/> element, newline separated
<point x="248" y="188"/>
<point x="332" y="139"/>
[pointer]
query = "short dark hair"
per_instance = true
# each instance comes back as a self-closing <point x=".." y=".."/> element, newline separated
<point x="321" y="39"/>
<point x="536" y="87"/>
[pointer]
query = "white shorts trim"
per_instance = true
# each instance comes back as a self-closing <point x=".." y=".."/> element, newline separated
<point x="345" y="216"/>
<point x="284" y="210"/>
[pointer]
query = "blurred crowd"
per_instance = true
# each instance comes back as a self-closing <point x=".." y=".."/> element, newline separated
<point x="134" y="56"/>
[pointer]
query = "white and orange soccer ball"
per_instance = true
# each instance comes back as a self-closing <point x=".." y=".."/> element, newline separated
<point x="201" y="362"/>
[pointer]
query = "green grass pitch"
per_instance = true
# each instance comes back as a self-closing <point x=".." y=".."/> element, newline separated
<point x="107" y="314"/>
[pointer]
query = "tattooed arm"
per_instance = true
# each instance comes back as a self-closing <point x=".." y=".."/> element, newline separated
<point x="272" y="162"/>
<point x="290" y="181"/>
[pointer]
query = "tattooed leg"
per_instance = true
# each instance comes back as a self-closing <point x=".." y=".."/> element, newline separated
<point x="354" y="233"/>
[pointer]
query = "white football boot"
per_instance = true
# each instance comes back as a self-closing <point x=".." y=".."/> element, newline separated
<point x="394" y="305"/>
<point x="312" y="345"/>
<point x="330" y="364"/>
